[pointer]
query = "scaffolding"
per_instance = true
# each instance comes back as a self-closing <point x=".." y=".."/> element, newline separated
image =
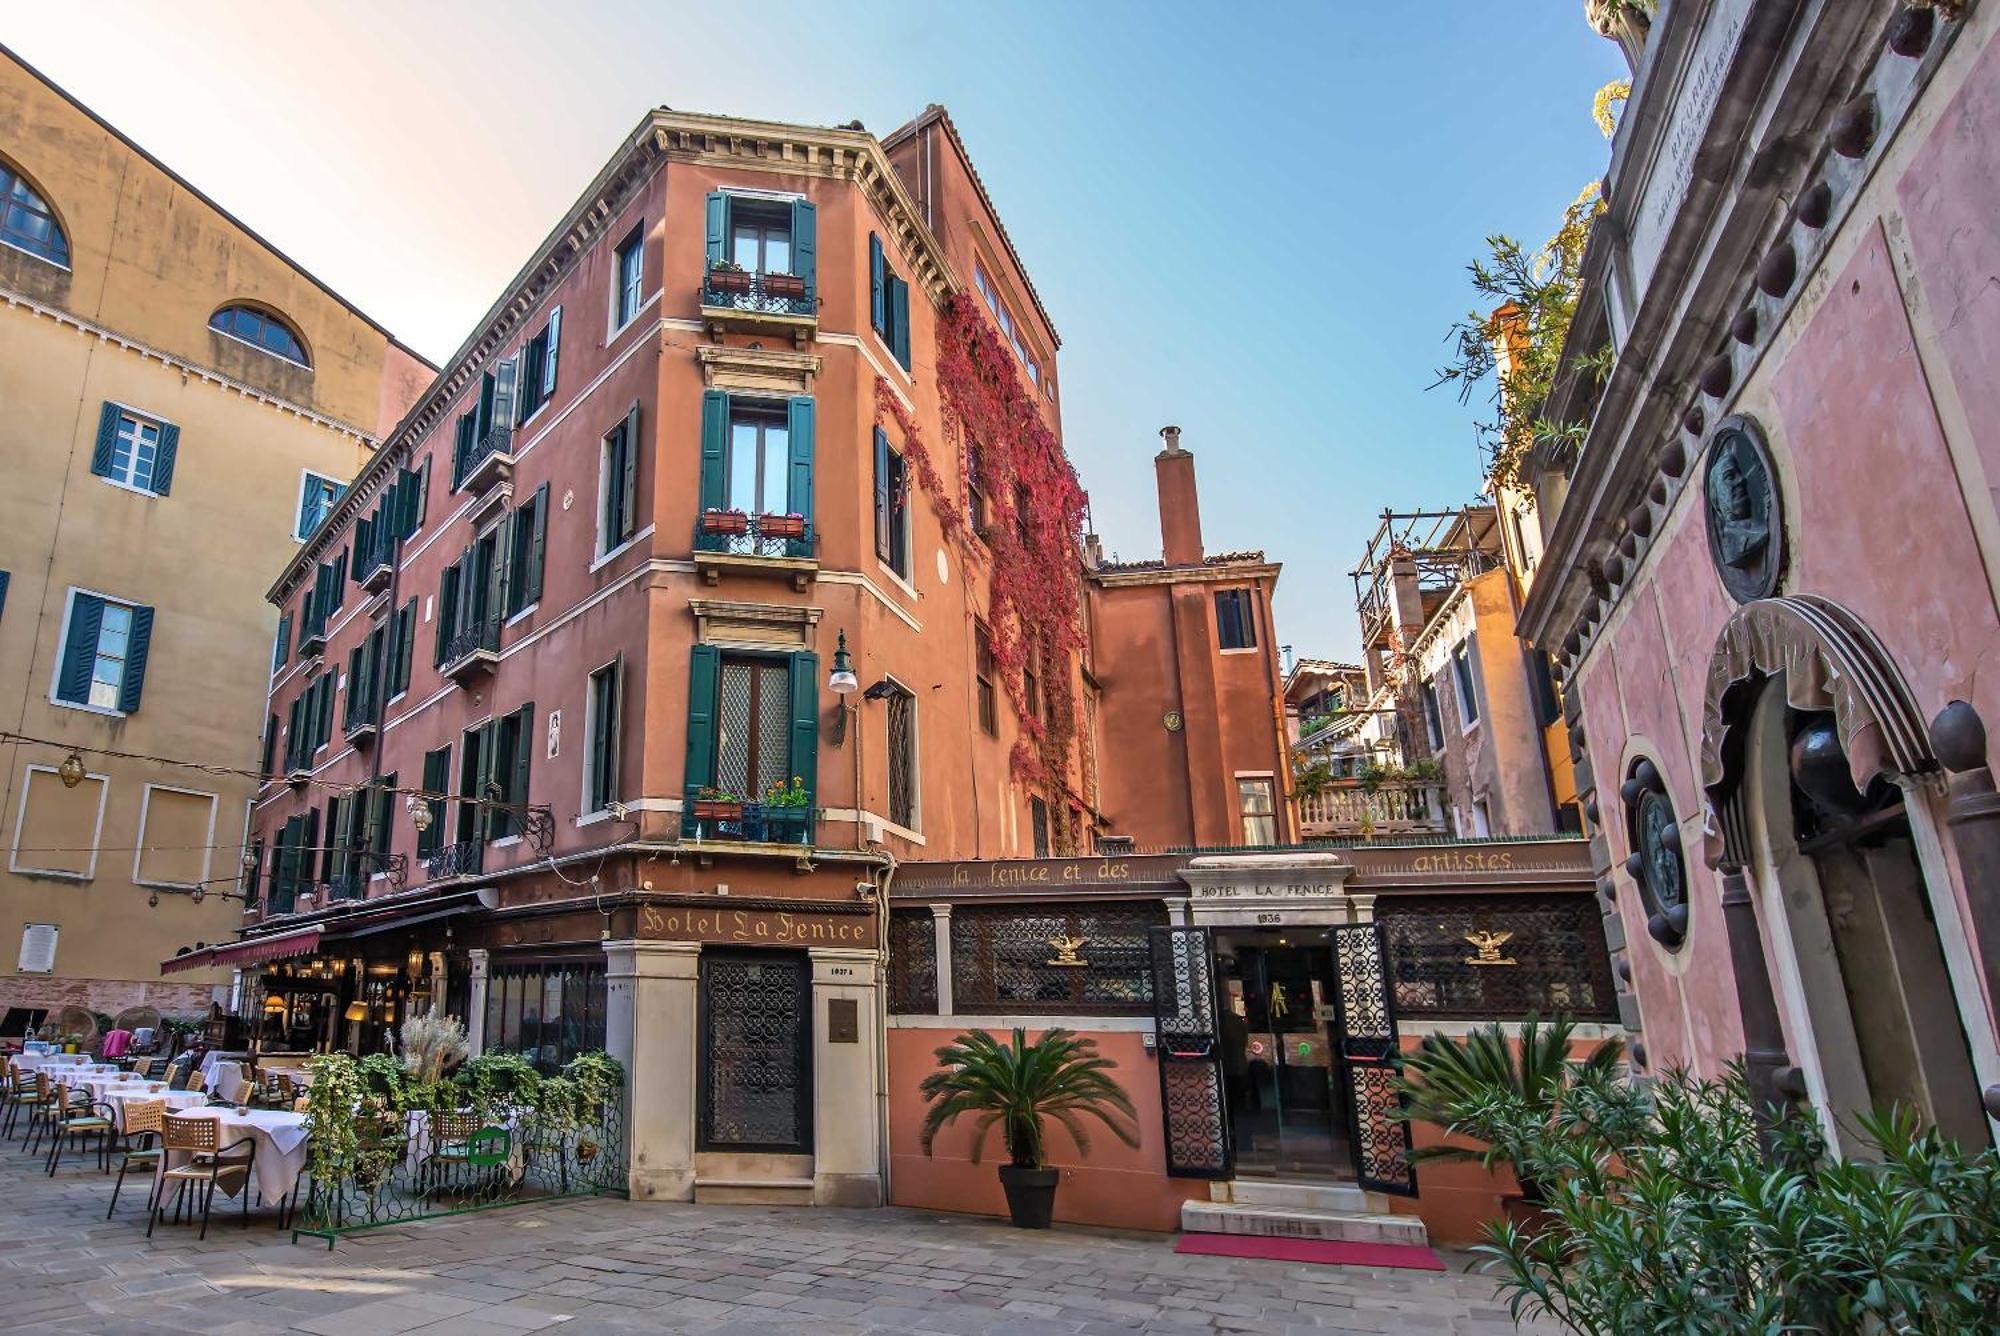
<point x="1413" y="562"/>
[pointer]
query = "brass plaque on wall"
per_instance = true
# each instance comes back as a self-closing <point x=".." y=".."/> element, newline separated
<point x="843" y="1020"/>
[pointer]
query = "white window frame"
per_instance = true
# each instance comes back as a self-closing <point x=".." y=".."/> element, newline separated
<point x="305" y="477"/>
<point x="1465" y="682"/>
<point x="615" y="326"/>
<point x="208" y="853"/>
<point x="584" y="810"/>
<point x="62" y="650"/>
<point x="1433" y="713"/>
<point x="14" y="864"/>
<point x="137" y="416"/>
<point x="1270" y="782"/>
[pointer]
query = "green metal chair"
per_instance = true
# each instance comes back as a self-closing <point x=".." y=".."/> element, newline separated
<point x="461" y="1149"/>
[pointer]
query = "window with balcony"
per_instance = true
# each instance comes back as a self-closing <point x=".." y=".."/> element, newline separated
<point x="976" y="504"/>
<point x="989" y="713"/>
<point x="629" y="278"/>
<point x="762" y="254"/>
<point x="892" y="506"/>
<point x="753" y="745"/>
<point x="27" y="222"/>
<point x="493" y="773"/>
<point x="134" y="450"/>
<point x="437" y="780"/>
<point x="756" y="475"/>
<point x="1235" y="619"/>
<point x="600" y="762"/>
<point x="888" y="302"/>
<point x="105" y="646"/>
<point x="1260" y="819"/>
<point x="618" y="485"/>
<point x="1465" y="677"/>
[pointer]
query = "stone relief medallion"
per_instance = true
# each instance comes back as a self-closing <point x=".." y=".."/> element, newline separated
<point x="1746" y="528"/>
<point x="1656" y="865"/>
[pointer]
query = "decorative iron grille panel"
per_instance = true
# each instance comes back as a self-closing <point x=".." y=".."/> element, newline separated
<point x="1190" y="1053"/>
<point x="902" y="709"/>
<point x="1543" y="953"/>
<point x="756" y="1091"/>
<point x="913" y="981"/>
<point x="1369" y="1057"/>
<point x="1004" y="958"/>
<point x="774" y="730"/>
<point x="732" y="768"/>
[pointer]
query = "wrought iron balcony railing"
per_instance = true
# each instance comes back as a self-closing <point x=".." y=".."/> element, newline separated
<point x="750" y="823"/>
<point x="466" y="462"/>
<point x="312" y="637"/>
<point x="759" y="294"/>
<point x="471" y="640"/>
<point x="736" y="534"/>
<point x="371" y="559"/>
<point x="462" y="859"/>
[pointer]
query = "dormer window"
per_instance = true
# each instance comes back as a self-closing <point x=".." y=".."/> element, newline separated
<point x="261" y="331"/>
<point x="26" y="221"/>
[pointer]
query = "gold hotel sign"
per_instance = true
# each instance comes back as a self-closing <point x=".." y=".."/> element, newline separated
<point x="754" y="927"/>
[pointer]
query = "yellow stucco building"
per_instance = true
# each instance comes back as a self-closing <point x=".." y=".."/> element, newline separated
<point x="178" y="400"/>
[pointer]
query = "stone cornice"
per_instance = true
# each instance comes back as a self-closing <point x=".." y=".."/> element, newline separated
<point x="664" y="135"/>
<point x="1171" y="575"/>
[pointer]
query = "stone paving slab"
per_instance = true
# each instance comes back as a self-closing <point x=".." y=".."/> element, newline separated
<point x="615" y="1267"/>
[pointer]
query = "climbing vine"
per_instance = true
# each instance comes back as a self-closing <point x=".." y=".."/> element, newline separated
<point x="1034" y="522"/>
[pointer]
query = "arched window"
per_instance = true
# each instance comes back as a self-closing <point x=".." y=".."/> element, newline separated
<point x="26" y="221"/>
<point x="259" y="330"/>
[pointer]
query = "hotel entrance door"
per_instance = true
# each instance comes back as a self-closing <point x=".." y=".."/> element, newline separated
<point x="1281" y="1075"/>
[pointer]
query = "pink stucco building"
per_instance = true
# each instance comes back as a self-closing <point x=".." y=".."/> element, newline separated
<point x="1772" y="569"/>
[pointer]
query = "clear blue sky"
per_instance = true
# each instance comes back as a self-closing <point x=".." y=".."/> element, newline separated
<point x="1250" y="220"/>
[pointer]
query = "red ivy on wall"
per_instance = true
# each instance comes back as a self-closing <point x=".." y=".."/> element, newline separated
<point x="1034" y="525"/>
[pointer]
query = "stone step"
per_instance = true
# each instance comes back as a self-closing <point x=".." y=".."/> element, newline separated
<point x="1347" y="1197"/>
<point x="753" y="1191"/>
<point x="1293" y="1222"/>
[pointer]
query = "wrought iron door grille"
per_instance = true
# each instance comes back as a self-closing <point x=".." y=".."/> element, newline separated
<point x="1545" y="953"/>
<point x="913" y="980"/>
<point x="1185" y="1019"/>
<point x="756" y="1052"/>
<point x="901" y="711"/>
<point x="1369" y="1059"/>
<point x="1008" y="958"/>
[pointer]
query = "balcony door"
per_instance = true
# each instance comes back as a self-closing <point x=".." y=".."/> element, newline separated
<point x="753" y="726"/>
<point x="760" y="237"/>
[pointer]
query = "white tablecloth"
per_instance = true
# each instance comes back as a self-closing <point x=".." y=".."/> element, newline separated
<point x="177" y="1101"/>
<point x="214" y="1058"/>
<point x="225" y="1080"/>
<point x="281" y="1146"/>
<point x="29" y="1062"/>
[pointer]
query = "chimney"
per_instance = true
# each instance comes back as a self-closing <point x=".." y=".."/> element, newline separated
<point x="1180" y="508"/>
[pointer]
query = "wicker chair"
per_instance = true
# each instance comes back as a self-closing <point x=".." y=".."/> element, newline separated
<point x="207" y="1165"/>
<point x="142" y="1122"/>
<point x="461" y="1148"/>
<point x="79" y="1117"/>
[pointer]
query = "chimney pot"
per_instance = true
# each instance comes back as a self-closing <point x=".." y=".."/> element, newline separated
<point x="1172" y="436"/>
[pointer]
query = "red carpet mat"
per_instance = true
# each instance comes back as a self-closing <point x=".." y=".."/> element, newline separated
<point x="1325" y="1252"/>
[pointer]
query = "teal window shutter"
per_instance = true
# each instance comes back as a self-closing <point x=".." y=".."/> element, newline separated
<point x="163" y="458"/>
<point x="628" y="482"/>
<point x="3" y="591"/>
<point x="406" y="635"/>
<point x="703" y="671"/>
<point x="899" y="317"/>
<point x="884" y="500"/>
<point x="364" y="531"/>
<point x="447" y="604"/>
<point x="86" y="621"/>
<point x="805" y="242"/>
<point x="135" y="659"/>
<point x="714" y="449"/>
<point x="305" y="506"/>
<point x="270" y="744"/>
<point x="554" y="341"/>
<point x="878" y="296"/>
<point x="294" y="720"/>
<point x="805" y="720"/>
<point x="107" y="437"/>
<point x="284" y="648"/>
<point x="524" y="750"/>
<point x="718" y="226"/>
<point x="437" y="779"/>
<point x="538" y="545"/>
<point x="799" y="433"/>
<point x="484" y="420"/>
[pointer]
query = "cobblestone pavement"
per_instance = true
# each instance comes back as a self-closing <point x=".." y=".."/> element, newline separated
<point x="613" y="1266"/>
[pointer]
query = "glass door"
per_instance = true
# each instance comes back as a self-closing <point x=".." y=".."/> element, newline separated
<point x="1278" y="1062"/>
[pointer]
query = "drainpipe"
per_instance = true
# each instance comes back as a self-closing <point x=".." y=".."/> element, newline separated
<point x="882" y="1014"/>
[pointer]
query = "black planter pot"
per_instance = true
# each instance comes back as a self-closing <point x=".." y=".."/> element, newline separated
<point x="1031" y="1195"/>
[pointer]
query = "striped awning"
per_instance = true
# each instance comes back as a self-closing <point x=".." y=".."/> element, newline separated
<point x="279" y="947"/>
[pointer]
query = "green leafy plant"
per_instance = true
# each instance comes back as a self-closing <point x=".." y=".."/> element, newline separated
<point x="1677" y="1208"/>
<point x="794" y="794"/>
<point x="709" y="793"/>
<point x="1019" y="1085"/>
<point x="500" y="1078"/>
<point x="1425" y="771"/>
<point x="1483" y="1086"/>
<point x="725" y="265"/>
<point x="1311" y="778"/>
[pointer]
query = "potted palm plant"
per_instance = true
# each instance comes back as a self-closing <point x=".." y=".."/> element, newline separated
<point x="1018" y="1085"/>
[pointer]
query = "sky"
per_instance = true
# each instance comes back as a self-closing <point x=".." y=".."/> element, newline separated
<point x="1249" y="220"/>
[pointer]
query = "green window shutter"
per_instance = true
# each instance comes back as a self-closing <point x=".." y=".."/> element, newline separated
<point x="423" y="493"/>
<point x="703" y="670"/>
<point x="484" y="421"/>
<point x="606" y="706"/>
<point x="884" y="508"/>
<point x="135" y="659"/>
<point x="163" y="458"/>
<point x="437" y="779"/>
<point x="899" y="317"/>
<point x="506" y="376"/>
<point x="336" y="587"/>
<point x="628" y="481"/>
<point x="284" y="649"/>
<point x="538" y="544"/>
<point x="805" y="242"/>
<point x="799" y="433"/>
<point x="878" y="292"/>
<point x="461" y="444"/>
<point x="294" y="730"/>
<point x="406" y="635"/>
<point x="107" y="438"/>
<point x="270" y="745"/>
<point x="484" y="779"/>
<point x="285" y="872"/>
<point x="447" y="605"/>
<point x="718" y="226"/>
<point x="324" y="733"/>
<point x="309" y="843"/>
<point x="354" y="669"/>
<point x="714" y="449"/>
<point x="554" y="344"/>
<point x="805" y="720"/>
<point x="382" y="836"/>
<point x="392" y="652"/>
<point x="364" y="537"/>
<point x="524" y="750"/>
<point x="3" y="591"/>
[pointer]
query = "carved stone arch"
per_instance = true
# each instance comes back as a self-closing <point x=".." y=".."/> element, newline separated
<point x="1830" y="661"/>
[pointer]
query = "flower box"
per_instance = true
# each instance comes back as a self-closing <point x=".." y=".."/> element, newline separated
<point x="782" y="526"/>
<point x="784" y="285"/>
<point x="718" y="809"/>
<point x="729" y="280"/>
<point x="725" y="521"/>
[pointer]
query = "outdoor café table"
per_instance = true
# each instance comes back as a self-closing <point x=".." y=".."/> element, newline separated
<point x="224" y="1080"/>
<point x="177" y="1101"/>
<point x="281" y="1146"/>
<point x="215" y="1058"/>
<point x="29" y="1062"/>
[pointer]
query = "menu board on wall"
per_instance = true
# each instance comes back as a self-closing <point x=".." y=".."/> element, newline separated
<point x="38" y="948"/>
